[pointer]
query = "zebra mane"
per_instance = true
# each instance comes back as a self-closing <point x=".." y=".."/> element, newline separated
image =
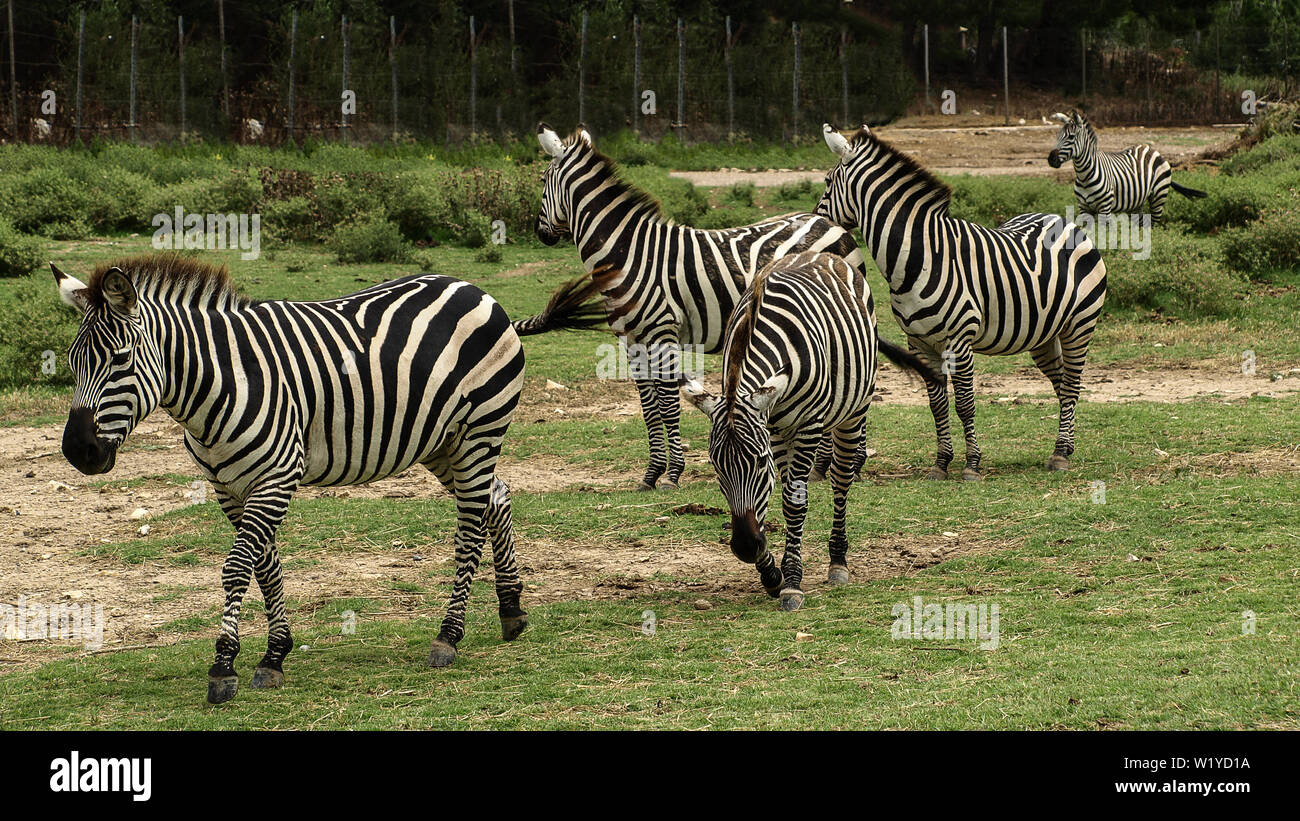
<point x="939" y="189"/>
<point x="174" y="278"/>
<point x="741" y="338"/>
<point x="638" y="197"/>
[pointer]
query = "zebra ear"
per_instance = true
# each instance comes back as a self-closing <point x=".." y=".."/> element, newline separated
<point x="585" y="136"/>
<point x="71" y="290"/>
<point x="1060" y="118"/>
<point x="119" y="292"/>
<point x="766" y="394"/>
<point x="551" y="142"/>
<point x="699" y="397"/>
<point x="834" y="140"/>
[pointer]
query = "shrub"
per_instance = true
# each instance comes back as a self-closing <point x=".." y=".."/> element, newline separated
<point x="1270" y="243"/>
<point x="32" y="321"/>
<point x="19" y="254"/>
<point x="1230" y="202"/>
<point x="370" y="239"/>
<point x="991" y="202"/>
<point x="1183" y="277"/>
<point x="742" y="193"/>
<point x="489" y="253"/>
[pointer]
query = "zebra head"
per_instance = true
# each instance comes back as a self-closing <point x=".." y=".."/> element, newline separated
<point x="836" y="203"/>
<point x="1072" y="140"/>
<point x="553" y="219"/>
<point x="117" y="366"/>
<point x="740" y="450"/>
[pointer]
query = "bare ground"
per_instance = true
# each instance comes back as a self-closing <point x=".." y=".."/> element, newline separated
<point x="50" y="516"/>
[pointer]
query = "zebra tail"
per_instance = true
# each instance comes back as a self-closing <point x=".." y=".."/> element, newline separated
<point x="907" y="360"/>
<point x="1188" y="192"/>
<point x="571" y="307"/>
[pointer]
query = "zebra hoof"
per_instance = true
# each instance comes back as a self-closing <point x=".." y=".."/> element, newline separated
<point x="971" y="475"/>
<point x="667" y="484"/>
<point x="441" y="654"/>
<point x="938" y="474"/>
<point x="267" y="678"/>
<point x="222" y="688"/>
<point x="791" y="599"/>
<point x="816" y="476"/>
<point x="644" y="486"/>
<point x="1058" y="462"/>
<point x="838" y="575"/>
<point x="512" y="626"/>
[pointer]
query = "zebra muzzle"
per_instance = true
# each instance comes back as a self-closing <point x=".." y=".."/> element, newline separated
<point x="83" y="447"/>
<point x="1054" y="159"/>
<point x="747" y="539"/>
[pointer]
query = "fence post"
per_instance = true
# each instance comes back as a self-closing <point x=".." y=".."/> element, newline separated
<point x="1216" y="74"/>
<point x="293" y="53"/>
<point x="13" y="74"/>
<point x="582" y="79"/>
<point x="180" y="48"/>
<point x="1006" y="84"/>
<point x="225" y="76"/>
<point x="681" y="81"/>
<point x="636" y="74"/>
<point x="514" y="56"/>
<point x="844" y="74"/>
<point x="81" y="61"/>
<point x="473" y="81"/>
<point x="1083" y="63"/>
<point x="731" y="85"/>
<point x="925" y="40"/>
<point x="134" y="38"/>
<point x="1148" y="61"/>
<point x="392" y="65"/>
<point x="347" y="65"/>
<point x="794" y="111"/>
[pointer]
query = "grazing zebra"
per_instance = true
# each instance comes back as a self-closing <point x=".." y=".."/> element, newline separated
<point x="274" y="394"/>
<point x="1035" y="283"/>
<point x="664" y="284"/>
<point x="1113" y="182"/>
<point x="799" y="363"/>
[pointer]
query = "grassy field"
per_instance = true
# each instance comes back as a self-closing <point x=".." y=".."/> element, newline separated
<point x="1121" y="610"/>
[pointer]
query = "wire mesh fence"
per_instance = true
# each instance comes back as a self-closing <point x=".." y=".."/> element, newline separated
<point x="314" y="72"/>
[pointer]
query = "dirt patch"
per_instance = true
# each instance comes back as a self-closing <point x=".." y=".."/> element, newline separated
<point x="992" y="150"/>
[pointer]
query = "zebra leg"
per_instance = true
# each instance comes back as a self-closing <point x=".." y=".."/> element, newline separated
<point x="668" y="395"/>
<point x="1049" y="360"/>
<point x="472" y="475"/>
<point x="963" y="388"/>
<point x="1074" y="353"/>
<point x="649" y="392"/>
<point x="279" y="641"/>
<point x="822" y="462"/>
<point x="795" y="464"/>
<point x="850" y="453"/>
<point x="938" y="394"/>
<point x="259" y="516"/>
<point x="500" y="528"/>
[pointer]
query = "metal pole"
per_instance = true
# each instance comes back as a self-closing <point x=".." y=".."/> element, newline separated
<point x="13" y="74"/>
<point x="681" y="81"/>
<point x="180" y="47"/>
<point x="347" y="65"/>
<point x="731" y="85"/>
<point x="392" y="65"/>
<point x="844" y="74"/>
<point x="794" y="115"/>
<point x="225" y="76"/>
<point x="1148" y="55"/>
<point x="1006" y="85"/>
<point x="134" y="38"/>
<point x="1083" y="62"/>
<point x="473" y="81"/>
<point x="1216" y="72"/>
<point x="582" y="57"/>
<point x="514" y="57"/>
<point x="636" y="74"/>
<point x="925" y="39"/>
<point x="81" y="61"/>
<point x="293" y="54"/>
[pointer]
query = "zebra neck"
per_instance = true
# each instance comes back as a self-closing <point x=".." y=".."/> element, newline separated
<point x="608" y="224"/>
<point x="903" y="215"/>
<point x="198" y="368"/>
<point x="1085" y="162"/>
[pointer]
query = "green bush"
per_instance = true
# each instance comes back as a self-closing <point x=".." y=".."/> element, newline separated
<point x="1184" y="276"/>
<point x="19" y="254"/>
<point x="1230" y="202"/>
<point x="1269" y="244"/>
<point x="33" y="321"/>
<point x="293" y="218"/>
<point x="372" y="238"/>
<point x="742" y="193"/>
<point x="489" y="254"/>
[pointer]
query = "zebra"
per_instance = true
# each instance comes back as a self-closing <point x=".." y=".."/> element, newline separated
<point x="799" y="363"/>
<point x="663" y="284"/>
<point x="1035" y="283"/>
<point x="1113" y="182"/>
<point x="275" y="394"/>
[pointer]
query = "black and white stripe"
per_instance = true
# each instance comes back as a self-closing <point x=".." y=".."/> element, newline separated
<point x="272" y="395"/>
<point x="1113" y="182"/>
<point x="664" y="285"/>
<point x="799" y="365"/>
<point x="1035" y="284"/>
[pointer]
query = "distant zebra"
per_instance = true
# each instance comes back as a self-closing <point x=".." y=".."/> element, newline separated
<point x="1035" y="283"/>
<point x="664" y="284"/>
<point x="1113" y="182"/>
<point x="799" y="363"/>
<point x="272" y="395"/>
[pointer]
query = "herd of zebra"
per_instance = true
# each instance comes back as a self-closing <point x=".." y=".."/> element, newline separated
<point x="428" y="369"/>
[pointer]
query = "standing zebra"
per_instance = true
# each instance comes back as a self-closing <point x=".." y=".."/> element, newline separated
<point x="663" y="284"/>
<point x="1035" y="283"/>
<point x="272" y="395"/>
<point x="1113" y="182"/>
<point x="799" y="363"/>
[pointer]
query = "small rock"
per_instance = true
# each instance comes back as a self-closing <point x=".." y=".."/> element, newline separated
<point x="72" y="594"/>
<point x="57" y="485"/>
<point x="138" y="514"/>
<point x="703" y="604"/>
<point x="552" y="385"/>
<point x="144" y="530"/>
<point x="803" y="636"/>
